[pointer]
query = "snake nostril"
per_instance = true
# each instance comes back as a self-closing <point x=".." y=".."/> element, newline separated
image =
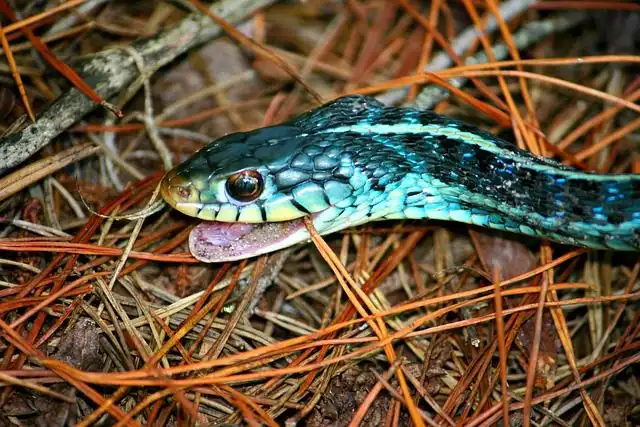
<point x="183" y="192"/>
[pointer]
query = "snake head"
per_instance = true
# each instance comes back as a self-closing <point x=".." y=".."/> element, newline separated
<point x="253" y="189"/>
<point x="269" y="175"/>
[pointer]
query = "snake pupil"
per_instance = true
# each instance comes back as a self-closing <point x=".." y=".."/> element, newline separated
<point x="245" y="186"/>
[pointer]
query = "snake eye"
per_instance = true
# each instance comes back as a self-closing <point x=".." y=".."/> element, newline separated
<point x="245" y="186"/>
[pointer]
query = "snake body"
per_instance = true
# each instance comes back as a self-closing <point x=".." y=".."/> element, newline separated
<point x="355" y="160"/>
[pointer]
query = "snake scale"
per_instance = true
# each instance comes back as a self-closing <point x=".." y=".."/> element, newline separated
<point x="354" y="160"/>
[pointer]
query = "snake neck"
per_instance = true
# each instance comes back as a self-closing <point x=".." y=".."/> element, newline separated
<point x="435" y="168"/>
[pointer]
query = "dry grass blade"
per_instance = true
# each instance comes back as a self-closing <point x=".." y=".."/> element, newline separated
<point x="34" y="172"/>
<point x="7" y="379"/>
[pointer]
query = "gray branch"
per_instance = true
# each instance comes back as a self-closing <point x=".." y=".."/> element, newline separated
<point x="530" y="34"/>
<point x="112" y="70"/>
<point x="526" y="36"/>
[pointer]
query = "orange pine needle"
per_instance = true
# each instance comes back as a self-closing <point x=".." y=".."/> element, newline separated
<point x="16" y="74"/>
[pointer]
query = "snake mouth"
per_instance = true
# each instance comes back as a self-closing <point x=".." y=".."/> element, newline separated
<point x="215" y="241"/>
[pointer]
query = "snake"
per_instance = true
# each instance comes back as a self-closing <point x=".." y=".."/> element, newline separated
<point x="355" y="160"/>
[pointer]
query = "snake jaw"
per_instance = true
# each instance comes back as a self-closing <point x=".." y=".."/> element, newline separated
<point x="215" y="241"/>
<point x="220" y="241"/>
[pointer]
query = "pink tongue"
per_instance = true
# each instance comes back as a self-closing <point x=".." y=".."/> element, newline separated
<point x="222" y="233"/>
<point x="214" y="241"/>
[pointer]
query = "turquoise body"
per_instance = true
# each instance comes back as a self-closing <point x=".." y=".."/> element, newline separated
<point x="354" y="160"/>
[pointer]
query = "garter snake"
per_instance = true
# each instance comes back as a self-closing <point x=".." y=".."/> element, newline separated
<point x="354" y="160"/>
